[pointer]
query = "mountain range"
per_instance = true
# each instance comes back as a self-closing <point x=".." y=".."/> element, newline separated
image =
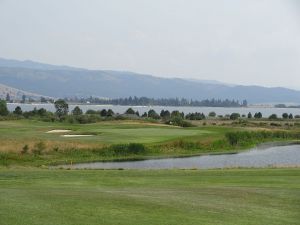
<point x="64" y="81"/>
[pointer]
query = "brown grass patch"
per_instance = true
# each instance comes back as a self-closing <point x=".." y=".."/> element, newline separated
<point x="17" y="146"/>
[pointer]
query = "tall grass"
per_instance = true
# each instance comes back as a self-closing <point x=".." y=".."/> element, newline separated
<point x="251" y="137"/>
<point x="45" y="153"/>
<point x="122" y="150"/>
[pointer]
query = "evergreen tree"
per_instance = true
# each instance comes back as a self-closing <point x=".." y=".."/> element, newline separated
<point x="77" y="111"/>
<point x="3" y="108"/>
<point x="18" y="111"/>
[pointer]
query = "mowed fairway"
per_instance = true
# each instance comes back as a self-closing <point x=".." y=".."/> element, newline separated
<point x="14" y="134"/>
<point x="231" y="197"/>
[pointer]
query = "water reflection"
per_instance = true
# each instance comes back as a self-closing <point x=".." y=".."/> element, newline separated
<point x="266" y="156"/>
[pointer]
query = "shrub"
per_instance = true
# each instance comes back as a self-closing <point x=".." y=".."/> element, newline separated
<point x="39" y="148"/>
<point x="25" y="149"/>
<point x="273" y="117"/>
<point x="55" y="149"/>
<point x="179" y="121"/>
<point x="123" y="149"/>
<point x="182" y="144"/>
<point x="91" y="111"/>
<point x="275" y="124"/>
<point x="4" y="158"/>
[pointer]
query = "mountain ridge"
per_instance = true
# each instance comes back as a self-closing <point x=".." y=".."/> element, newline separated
<point x="65" y="81"/>
<point x="15" y="93"/>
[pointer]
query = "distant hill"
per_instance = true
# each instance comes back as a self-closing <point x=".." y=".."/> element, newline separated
<point x="64" y="81"/>
<point x="32" y="65"/>
<point x="16" y="93"/>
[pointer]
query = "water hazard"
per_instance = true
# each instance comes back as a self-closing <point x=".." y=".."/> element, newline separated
<point x="260" y="157"/>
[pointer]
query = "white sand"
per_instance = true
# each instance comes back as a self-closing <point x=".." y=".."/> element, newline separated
<point x="77" y="135"/>
<point x="58" y="131"/>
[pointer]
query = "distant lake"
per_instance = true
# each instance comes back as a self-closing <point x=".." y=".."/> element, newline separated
<point x="264" y="156"/>
<point x="121" y="109"/>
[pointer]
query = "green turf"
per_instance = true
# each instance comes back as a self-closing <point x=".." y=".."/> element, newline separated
<point x="166" y="197"/>
<point x="105" y="132"/>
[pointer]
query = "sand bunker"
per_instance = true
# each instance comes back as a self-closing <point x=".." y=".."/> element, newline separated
<point x="77" y="135"/>
<point x="58" y="131"/>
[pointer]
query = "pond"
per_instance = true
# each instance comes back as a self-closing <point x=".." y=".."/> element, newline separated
<point x="269" y="155"/>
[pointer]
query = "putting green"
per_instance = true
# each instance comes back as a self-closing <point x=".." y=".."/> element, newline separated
<point x="100" y="132"/>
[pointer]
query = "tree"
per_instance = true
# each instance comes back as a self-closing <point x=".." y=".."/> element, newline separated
<point x="212" y="114"/>
<point x="285" y="115"/>
<point x="195" y="116"/>
<point x="3" y="108"/>
<point x="8" y="97"/>
<point x="77" y="111"/>
<point x="18" y="111"/>
<point x="110" y="113"/>
<point x="176" y="113"/>
<point x="165" y="114"/>
<point x="291" y="116"/>
<point x="91" y="111"/>
<point x="103" y="113"/>
<point x="235" y="116"/>
<point x="258" y="115"/>
<point x="62" y="108"/>
<point x="152" y="114"/>
<point x="23" y="99"/>
<point x="249" y="115"/>
<point x="41" y="112"/>
<point x="130" y="111"/>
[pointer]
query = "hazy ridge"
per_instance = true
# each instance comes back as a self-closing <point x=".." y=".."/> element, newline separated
<point x="64" y="81"/>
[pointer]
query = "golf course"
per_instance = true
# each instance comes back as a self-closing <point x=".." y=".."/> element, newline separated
<point x="33" y="190"/>
<point x="37" y="143"/>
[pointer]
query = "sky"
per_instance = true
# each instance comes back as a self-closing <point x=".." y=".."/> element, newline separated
<point x="250" y="42"/>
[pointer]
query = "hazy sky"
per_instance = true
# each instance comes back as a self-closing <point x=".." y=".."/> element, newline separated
<point x="235" y="41"/>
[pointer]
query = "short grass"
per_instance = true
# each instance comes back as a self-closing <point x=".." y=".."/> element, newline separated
<point x="166" y="197"/>
<point x="113" y="132"/>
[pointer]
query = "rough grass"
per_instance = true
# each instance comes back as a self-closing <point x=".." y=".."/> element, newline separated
<point x="111" y="141"/>
<point x="189" y="197"/>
